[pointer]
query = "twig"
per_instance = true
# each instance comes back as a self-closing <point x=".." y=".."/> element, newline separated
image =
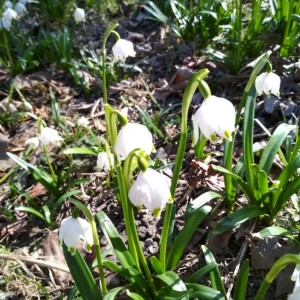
<point x="33" y="261"/>
<point x="240" y="257"/>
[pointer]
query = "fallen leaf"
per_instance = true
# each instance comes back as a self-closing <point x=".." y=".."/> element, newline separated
<point x="37" y="190"/>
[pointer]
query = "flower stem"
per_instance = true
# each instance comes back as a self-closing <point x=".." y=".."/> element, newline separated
<point x="49" y="163"/>
<point x="91" y="220"/>
<point x="199" y="148"/>
<point x="187" y="98"/>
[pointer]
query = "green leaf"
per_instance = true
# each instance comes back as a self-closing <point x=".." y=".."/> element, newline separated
<point x="80" y="151"/>
<point x="82" y="275"/>
<point x="203" y="292"/>
<point x="172" y="280"/>
<point x="198" y="274"/>
<point x="244" y="186"/>
<point x="274" y="145"/>
<point x="240" y="286"/>
<point x="116" y="241"/>
<point x="32" y="211"/>
<point x="274" y="231"/>
<point x="113" y="293"/>
<point x="215" y="276"/>
<point x="238" y="217"/>
<point x="185" y="235"/>
<point x="248" y="125"/>
<point x="198" y="202"/>
<point x="156" y="265"/>
<point x="135" y="296"/>
<point x="62" y="198"/>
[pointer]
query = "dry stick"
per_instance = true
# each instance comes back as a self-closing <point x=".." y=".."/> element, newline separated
<point x="240" y="257"/>
<point x="34" y="262"/>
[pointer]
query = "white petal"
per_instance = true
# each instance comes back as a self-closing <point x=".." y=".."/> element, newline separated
<point x="20" y="8"/>
<point x="259" y="83"/>
<point x="272" y="83"/>
<point x="151" y="189"/>
<point x="122" y="49"/>
<point x="133" y="136"/>
<point x="50" y="136"/>
<point x="103" y="161"/>
<point x="79" y="15"/>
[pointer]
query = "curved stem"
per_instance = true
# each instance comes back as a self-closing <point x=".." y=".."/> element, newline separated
<point x="187" y="98"/>
<point x="91" y="220"/>
<point x="49" y="163"/>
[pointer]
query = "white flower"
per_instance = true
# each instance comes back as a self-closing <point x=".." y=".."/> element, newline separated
<point x="296" y="277"/>
<point x="79" y="15"/>
<point x="133" y="136"/>
<point x="216" y="116"/>
<point x="10" y="14"/>
<point x="152" y="190"/>
<point x="267" y="82"/>
<point x="20" y="8"/>
<point x="5" y="23"/>
<point x="122" y="49"/>
<point x="74" y="230"/>
<point x="24" y="1"/>
<point x="103" y="162"/>
<point x="8" y="4"/>
<point x="50" y="136"/>
<point x="33" y="141"/>
<point x="83" y="121"/>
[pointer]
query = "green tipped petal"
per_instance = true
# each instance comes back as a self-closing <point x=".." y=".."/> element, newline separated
<point x="213" y="138"/>
<point x="227" y="135"/>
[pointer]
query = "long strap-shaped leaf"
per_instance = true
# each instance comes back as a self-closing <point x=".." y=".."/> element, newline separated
<point x="215" y="276"/>
<point x="273" y="146"/>
<point x="185" y="235"/>
<point x="82" y="276"/>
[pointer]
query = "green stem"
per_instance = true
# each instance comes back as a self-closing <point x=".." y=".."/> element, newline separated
<point x="199" y="148"/>
<point x="108" y="32"/>
<point x="49" y="163"/>
<point x="91" y="220"/>
<point x="187" y="98"/>
<point x="129" y="166"/>
<point x="126" y="213"/>
<point x="279" y="265"/>
<point x="7" y="48"/>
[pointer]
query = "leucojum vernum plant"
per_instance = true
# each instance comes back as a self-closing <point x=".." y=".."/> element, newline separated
<point x="125" y="154"/>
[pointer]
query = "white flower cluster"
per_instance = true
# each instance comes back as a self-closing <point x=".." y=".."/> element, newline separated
<point x="11" y="12"/>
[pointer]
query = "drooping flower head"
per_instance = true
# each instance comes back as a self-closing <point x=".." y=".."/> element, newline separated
<point x="104" y="161"/>
<point x="20" y="8"/>
<point x="34" y="141"/>
<point x="122" y="49"/>
<point x="7" y="17"/>
<point x="216" y="116"/>
<point x="267" y="82"/>
<point x="83" y="121"/>
<point x="133" y="136"/>
<point x="79" y="15"/>
<point x="152" y="190"/>
<point x="74" y="230"/>
<point x="50" y="136"/>
<point x="8" y="4"/>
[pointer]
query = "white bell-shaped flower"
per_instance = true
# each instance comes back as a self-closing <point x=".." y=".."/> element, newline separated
<point x="83" y="121"/>
<point x="79" y="15"/>
<point x="50" y="136"/>
<point x="216" y="116"/>
<point x="9" y="14"/>
<point x="20" y="8"/>
<point x="152" y="190"/>
<point x="268" y="82"/>
<point x="74" y="230"/>
<point x="5" y="23"/>
<point x="104" y="161"/>
<point x="8" y="4"/>
<point x="122" y="49"/>
<point x="33" y="141"/>
<point x="133" y="136"/>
